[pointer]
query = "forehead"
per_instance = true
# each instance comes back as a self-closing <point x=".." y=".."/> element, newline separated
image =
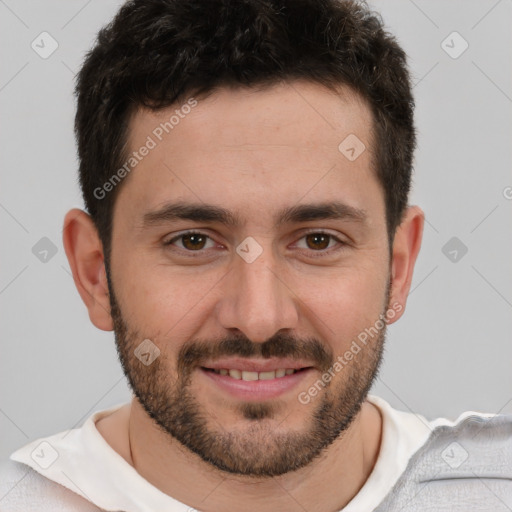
<point x="253" y="147"/>
<point x="301" y="114"/>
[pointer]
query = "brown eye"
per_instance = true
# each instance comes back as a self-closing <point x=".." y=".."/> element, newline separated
<point x="318" y="241"/>
<point x="320" y="244"/>
<point x="193" y="241"/>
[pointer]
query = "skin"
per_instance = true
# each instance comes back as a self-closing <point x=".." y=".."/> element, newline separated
<point x="254" y="153"/>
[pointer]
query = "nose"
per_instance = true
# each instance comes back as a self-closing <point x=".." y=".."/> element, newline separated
<point x="256" y="300"/>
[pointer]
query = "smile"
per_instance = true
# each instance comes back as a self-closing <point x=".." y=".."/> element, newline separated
<point x="252" y="376"/>
<point x="256" y="383"/>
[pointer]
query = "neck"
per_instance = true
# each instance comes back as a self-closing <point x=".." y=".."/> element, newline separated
<point x="329" y="482"/>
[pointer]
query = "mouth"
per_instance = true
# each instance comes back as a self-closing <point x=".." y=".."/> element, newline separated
<point x="249" y="376"/>
<point x="251" y="380"/>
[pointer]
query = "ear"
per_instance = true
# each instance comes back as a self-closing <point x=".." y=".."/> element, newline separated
<point x="406" y="247"/>
<point x="84" y="251"/>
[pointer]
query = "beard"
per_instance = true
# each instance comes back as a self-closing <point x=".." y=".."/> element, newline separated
<point x="258" y="449"/>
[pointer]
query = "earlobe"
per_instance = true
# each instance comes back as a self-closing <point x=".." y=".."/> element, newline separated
<point x="406" y="247"/>
<point x="84" y="251"/>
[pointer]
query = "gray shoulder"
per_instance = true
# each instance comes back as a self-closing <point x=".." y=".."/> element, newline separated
<point x="23" y="489"/>
<point x="465" y="467"/>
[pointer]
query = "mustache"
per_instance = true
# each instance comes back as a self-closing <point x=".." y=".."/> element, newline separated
<point x="195" y="353"/>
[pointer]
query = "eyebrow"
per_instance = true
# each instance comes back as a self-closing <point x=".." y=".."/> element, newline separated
<point x="201" y="212"/>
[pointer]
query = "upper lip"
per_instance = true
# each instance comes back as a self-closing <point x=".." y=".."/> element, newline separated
<point x="256" y="365"/>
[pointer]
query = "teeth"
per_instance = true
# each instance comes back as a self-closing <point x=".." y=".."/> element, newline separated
<point x="251" y="376"/>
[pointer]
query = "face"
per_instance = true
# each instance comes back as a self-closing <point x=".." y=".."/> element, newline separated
<point x="252" y="252"/>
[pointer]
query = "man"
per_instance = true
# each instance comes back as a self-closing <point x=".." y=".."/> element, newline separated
<point x="246" y="166"/>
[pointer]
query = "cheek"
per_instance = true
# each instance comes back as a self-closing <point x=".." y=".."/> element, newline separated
<point x="345" y="305"/>
<point x="160" y="301"/>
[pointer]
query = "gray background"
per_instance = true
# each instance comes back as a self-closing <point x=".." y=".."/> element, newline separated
<point x="451" y="351"/>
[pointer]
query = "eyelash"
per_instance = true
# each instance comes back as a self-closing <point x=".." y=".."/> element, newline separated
<point x="315" y="254"/>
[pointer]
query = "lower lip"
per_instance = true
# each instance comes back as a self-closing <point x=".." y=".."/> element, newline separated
<point x="257" y="390"/>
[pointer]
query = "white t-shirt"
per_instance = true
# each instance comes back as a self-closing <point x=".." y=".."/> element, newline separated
<point x="82" y="461"/>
